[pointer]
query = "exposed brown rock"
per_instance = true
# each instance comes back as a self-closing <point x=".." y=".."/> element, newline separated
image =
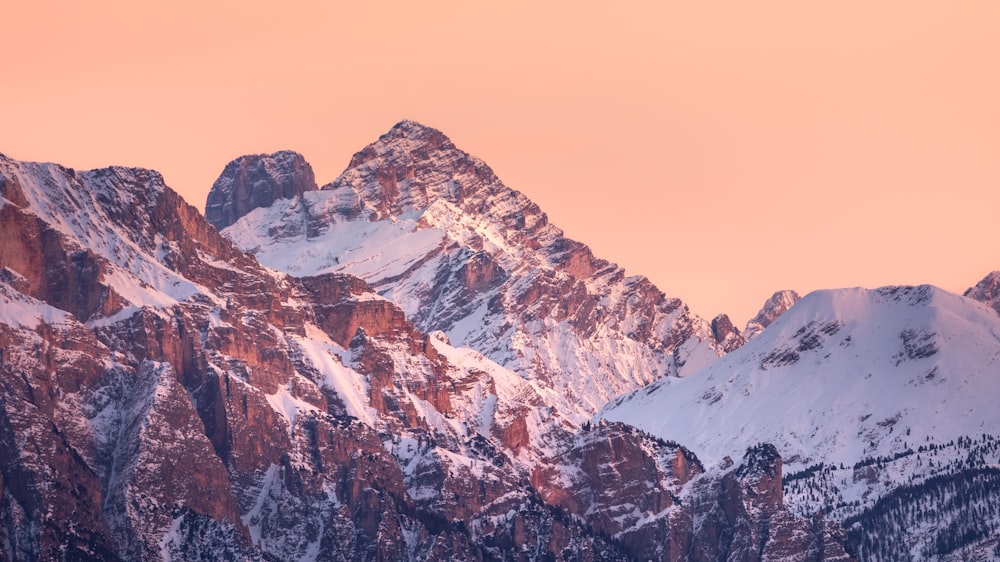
<point x="255" y="181"/>
<point x="726" y="335"/>
<point x="480" y="272"/>
<point x="67" y="277"/>
<point x="514" y="436"/>
<point x="760" y="475"/>
<point x="576" y="258"/>
<point x="67" y="489"/>
<point x="618" y="469"/>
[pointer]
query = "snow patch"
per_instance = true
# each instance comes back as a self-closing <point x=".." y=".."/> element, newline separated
<point x="21" y="311"/>
<point x="350" y="386"/>
<point x="286" y="404"/>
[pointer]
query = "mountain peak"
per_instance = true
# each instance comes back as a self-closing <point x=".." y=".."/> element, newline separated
<point x="987" y="291"/>
<point x="726" y="335"/>
<point x="406" y="142"/>
<point x="775" y="306"/>
<point x="433" y="229"/>
<point x="257" y="180"/>
<point x="412" y="166"/>
<point x="412" y="130"/>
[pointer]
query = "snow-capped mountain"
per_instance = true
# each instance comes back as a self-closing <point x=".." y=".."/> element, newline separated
<point x="434" y="230"/>
<point x="163" y="396"/>
<point x="864" y="394"/>
<point x="415" y="379"/>
<point x="166" y="397"/>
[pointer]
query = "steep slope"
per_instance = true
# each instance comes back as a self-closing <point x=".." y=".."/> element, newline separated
<point x="862" y="392"/>
<point x="435" y="231"/>
<point x="163" y="396"/>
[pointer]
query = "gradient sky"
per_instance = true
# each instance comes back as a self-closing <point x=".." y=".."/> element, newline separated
<point x="723" y="149"/>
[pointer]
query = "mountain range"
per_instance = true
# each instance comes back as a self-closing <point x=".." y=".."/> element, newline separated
<point x="411" y="362"/>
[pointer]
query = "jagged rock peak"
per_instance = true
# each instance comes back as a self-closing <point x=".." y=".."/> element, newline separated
<point x="412" y="166"/>
<point x="725" y="334"/>
<point x="775" y="306"/>
<point x="412" y="130"/>
<point x="257" y="180"/>
<point x="987" y="291"/>
<point x="476" y="259"/>
<point x="404" y="137"/>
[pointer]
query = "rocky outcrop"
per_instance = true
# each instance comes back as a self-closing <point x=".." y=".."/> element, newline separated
<point x="774" y="307"/>
<point x="740" y="516"/>
<point x="760" y="476"/>
<point x="727" y="336"/>
<point x="255" y="181"/>
<point x="624" y="483"/>
<point x="659" y="503"/>
<point x="344" y="304"/>
<point x="987" y="291"/>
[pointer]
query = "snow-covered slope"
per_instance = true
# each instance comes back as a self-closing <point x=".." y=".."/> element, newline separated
<point x="435" y="231"/>
<point x="861" y="391"/>
<point x="843" y="375"/>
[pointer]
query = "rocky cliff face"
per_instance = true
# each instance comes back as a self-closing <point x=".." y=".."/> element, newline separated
<point x="165" y="397"/>
<point x="434" y="230"/>
<point x="660" y="503"/>
<point x="740" y="515"/>
<point x="255" y="181"/>
<point x="727" y="336"/>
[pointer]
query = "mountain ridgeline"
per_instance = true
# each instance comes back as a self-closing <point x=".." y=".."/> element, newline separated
<point x="881" y="404"/>
<point x="166" y="397"/>
<point x="411" y="363"/>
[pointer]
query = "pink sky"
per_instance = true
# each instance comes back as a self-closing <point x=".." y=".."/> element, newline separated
<point x="723" y="149"/>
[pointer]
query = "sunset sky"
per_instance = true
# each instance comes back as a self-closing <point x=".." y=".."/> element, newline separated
<point x="723" y="149"/>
